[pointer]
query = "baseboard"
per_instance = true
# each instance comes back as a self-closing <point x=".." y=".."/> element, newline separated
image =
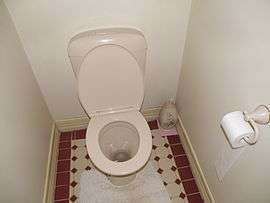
<point x="151" y="113"/>
<point x="195" y="165"/>
<point x="48" y="196"/>
<point x="81" y="122"/>
<point x="70" y="124"/>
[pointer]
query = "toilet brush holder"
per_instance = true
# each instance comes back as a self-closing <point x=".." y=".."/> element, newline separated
<point x="168" y="115"/>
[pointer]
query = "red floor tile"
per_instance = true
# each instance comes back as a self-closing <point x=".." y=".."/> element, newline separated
<point x="153" y="124"/>
<point x="173" y="139"/>
<point x="61" y="192"/>
<point x="196" y="198"/>
<point x="63" y="166"/>
<point x="79" y="134"/>
<point x="181" y="161"/>
<point x="64" y="154"/>
<point x="185" y="173"/>
<point x="190" y="186"/>
<point x="177" y="149"/>
<point x="65" y="136"/>
<point x="62" y="178"/>
<point x="65" y="145"/>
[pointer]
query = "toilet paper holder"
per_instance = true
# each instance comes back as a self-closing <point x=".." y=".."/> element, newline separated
<point x="261" y="116"/>
<point x="241" y="127"/>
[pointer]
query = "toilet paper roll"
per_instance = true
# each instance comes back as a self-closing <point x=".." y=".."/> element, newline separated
<point x="236" y="128"/>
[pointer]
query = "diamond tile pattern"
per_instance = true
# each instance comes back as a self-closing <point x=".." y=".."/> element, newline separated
<point x="74" y="147"/>
<point x="74" y="158"/>
<point x="73" y="198"/>
<point x="74" y="170"/>
<point x="168" y="157"/>
<point x="160" y="171"/>
<point x="157" y="158"/>
<point x="73" y="183"/>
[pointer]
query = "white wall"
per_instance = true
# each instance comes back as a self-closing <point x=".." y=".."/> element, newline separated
<point x="45" y="28"/>
<point x="25" y="122"/>
<point x="227" y="67"/>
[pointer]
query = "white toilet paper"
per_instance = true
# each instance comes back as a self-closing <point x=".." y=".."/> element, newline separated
<point x="236" y="128"/>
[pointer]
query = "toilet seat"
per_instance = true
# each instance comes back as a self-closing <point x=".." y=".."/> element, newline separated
<point x="103" y="163"/>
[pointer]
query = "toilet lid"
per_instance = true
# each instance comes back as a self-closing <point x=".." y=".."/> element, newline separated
<point x="110" y="79"/>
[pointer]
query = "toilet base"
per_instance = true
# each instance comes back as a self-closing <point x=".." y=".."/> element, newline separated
<point x="121" y="180"/>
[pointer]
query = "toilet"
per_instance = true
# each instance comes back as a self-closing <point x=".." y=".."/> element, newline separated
<point x="109" y="65"/>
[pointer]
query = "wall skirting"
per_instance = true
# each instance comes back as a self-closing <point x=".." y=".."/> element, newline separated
<point x="195" y="165"/>
<point x="81" y="122"/>
<point x="48" y="196"/>
<point x="70" y="124"/>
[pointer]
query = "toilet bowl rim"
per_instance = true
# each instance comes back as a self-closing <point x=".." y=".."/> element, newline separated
<point x="97" y="123"/>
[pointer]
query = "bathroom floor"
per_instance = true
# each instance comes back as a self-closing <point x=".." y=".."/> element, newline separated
<point x="168" y="157"/>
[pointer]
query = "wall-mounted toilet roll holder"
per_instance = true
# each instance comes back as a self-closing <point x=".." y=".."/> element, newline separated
<point x="241" y="127"/>
<point x="261" y="115"/>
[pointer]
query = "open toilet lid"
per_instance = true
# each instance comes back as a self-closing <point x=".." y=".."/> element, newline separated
<point x="110" y="79"/>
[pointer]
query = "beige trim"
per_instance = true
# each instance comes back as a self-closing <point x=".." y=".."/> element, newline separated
<point x="48" y="196"/>
<point x="70" y="124"/>
<point x="81" y="122"/>
<point x="152" y="112"/>
<point x="195" y="165"/>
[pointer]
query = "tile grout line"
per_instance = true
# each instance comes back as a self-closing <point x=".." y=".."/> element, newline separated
<point x="62" y="172"/>
<point x="195" y="193"/>
<point x="179" y="155"/>
<point x="184" y="167"/>
<point x="189" y="179"/>
<point x="62" y="185"/>
<point x="63" y="160"/>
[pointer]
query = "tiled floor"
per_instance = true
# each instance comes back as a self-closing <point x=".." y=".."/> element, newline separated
<point x="168" y="157"/>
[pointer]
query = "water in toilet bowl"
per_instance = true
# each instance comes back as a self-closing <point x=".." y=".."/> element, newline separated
<point x="120" y="156"/>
